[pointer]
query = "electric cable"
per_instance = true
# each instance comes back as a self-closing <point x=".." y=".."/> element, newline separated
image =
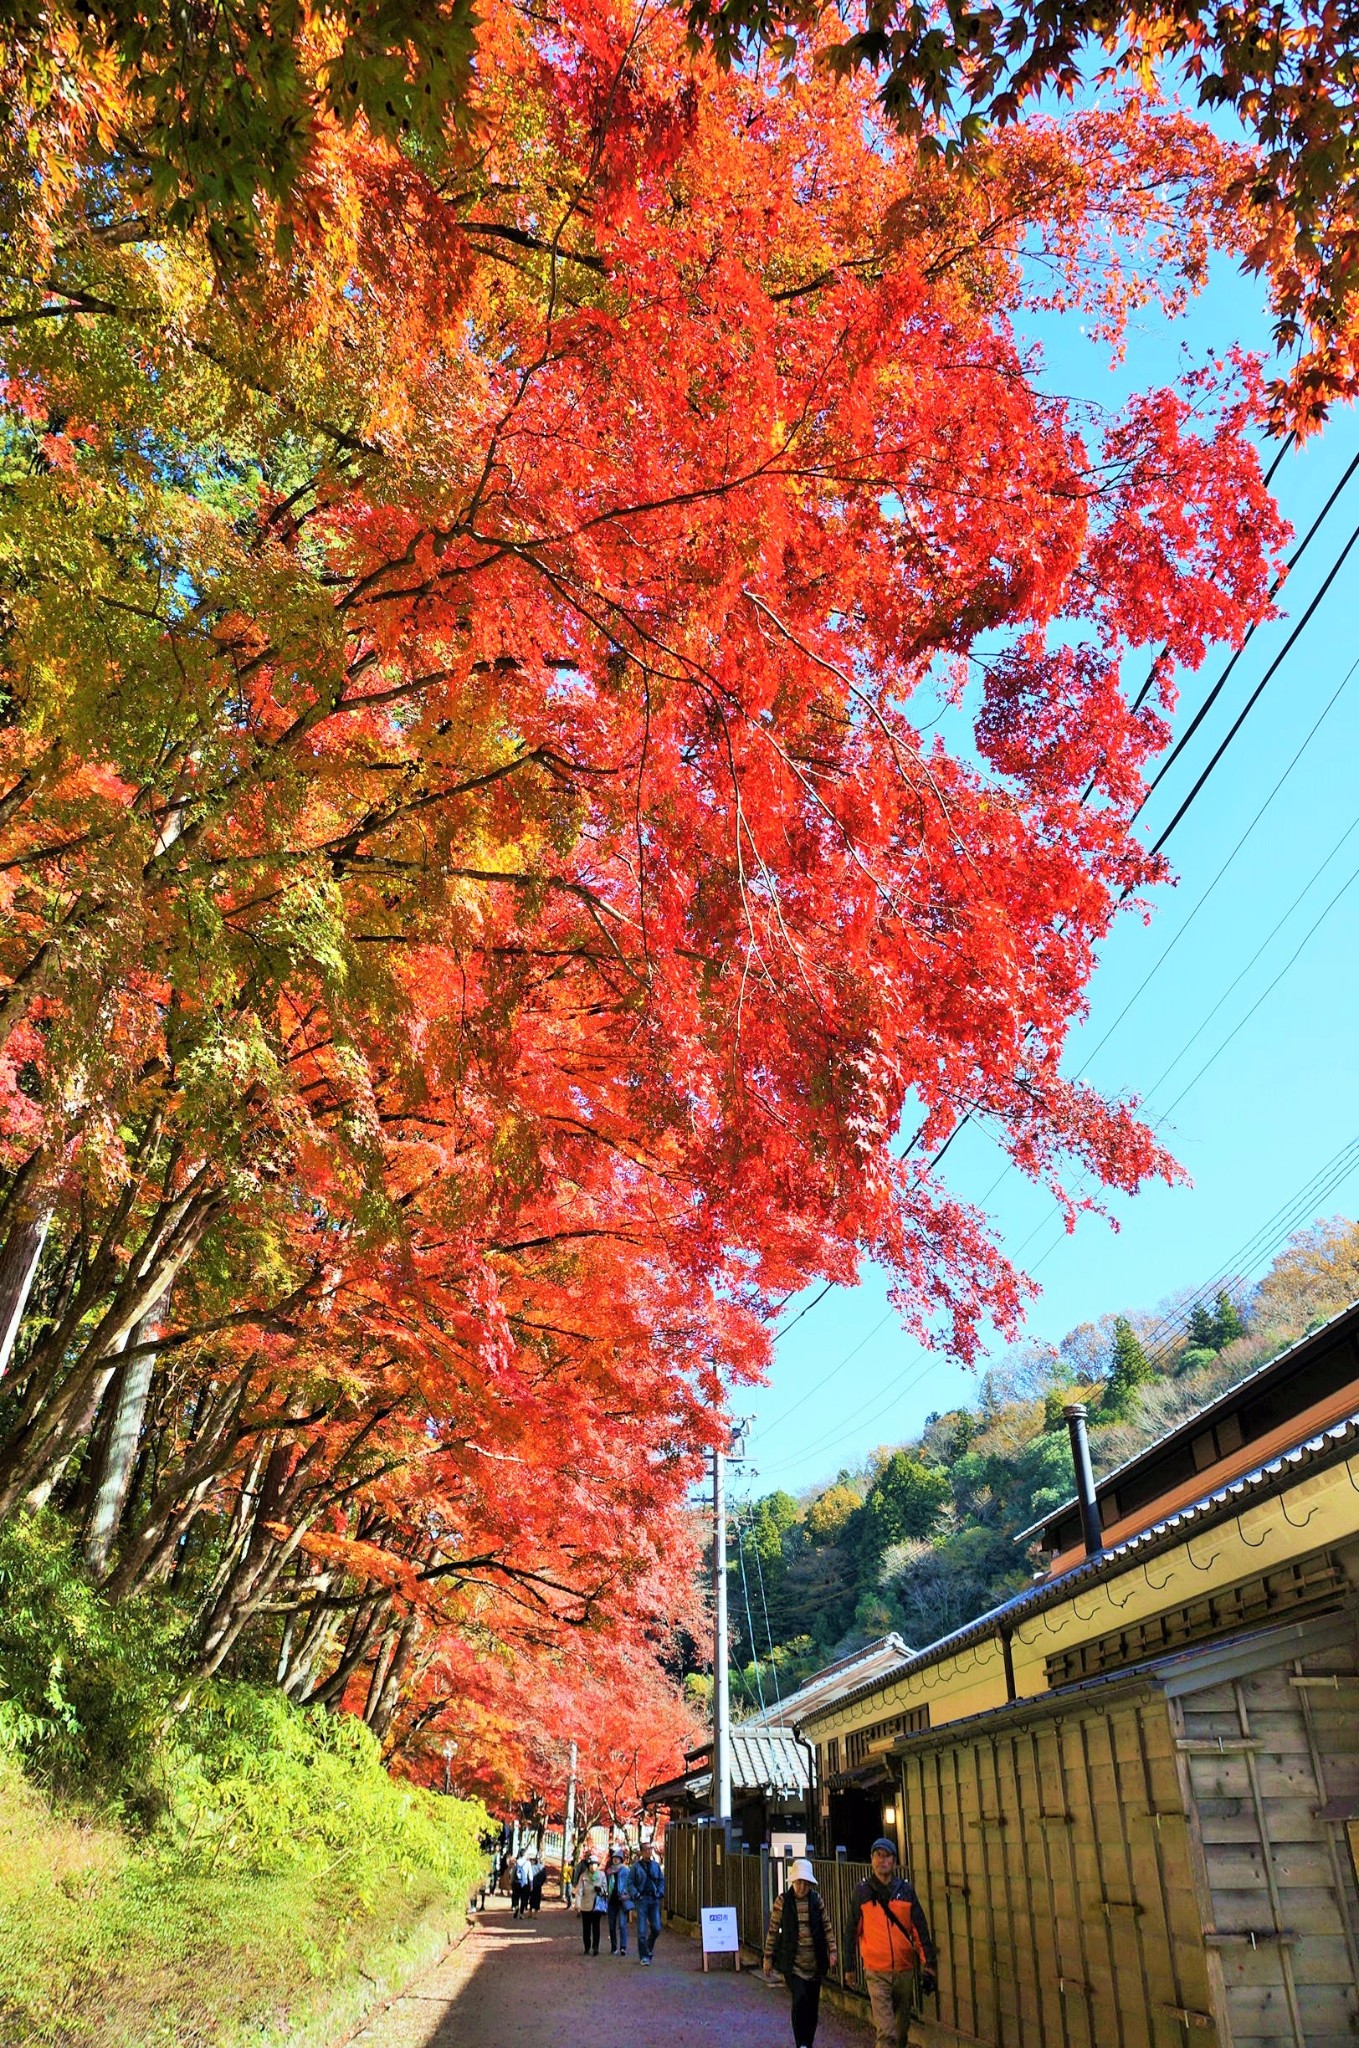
<point x="1263" y="946"/>
<point x="1184" y="738"/>
<point x="1255" y="696"/>
<point x="1160" y="1339"/>
<point x="768" y="1631"/>
<point x="806" y="1309"/>
<point x="781" y="1418"/>
<point x="1155" y="969"/>
<point x="1175" y="821"/>
<point x="1140" y="699"/>
<point x="1197" y="720"/>
<point x="1240" y="1025"/>
<point x="750" y="1623"/>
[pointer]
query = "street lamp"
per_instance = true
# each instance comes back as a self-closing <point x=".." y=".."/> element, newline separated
<point x="450" y="1751"/>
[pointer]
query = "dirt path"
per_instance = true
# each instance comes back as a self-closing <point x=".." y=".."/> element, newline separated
<point x="525" y="1983"/>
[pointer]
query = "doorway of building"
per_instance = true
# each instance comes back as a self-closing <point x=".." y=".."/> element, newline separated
<point x="855" y="1821"/>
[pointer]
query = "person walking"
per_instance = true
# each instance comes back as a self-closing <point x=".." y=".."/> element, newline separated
<point x="890" y="1935"/>
<point x="800" y="1945"/>
<point x="591" y="1891"/>
<point x="522" y="1885"/>
<point x="620" y="1900"/>
<point x="536" y="1885"/>
<point x="648" y="1890"/>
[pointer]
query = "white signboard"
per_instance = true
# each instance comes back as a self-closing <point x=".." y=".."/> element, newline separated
<point x="718" y="1926"/>
<point x="784" y="1845"/>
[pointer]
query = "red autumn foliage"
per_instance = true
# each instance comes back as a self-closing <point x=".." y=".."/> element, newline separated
<point x="484" y="889"/>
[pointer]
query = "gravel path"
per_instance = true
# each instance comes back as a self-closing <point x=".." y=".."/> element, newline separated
<point x="525" y="1983"/>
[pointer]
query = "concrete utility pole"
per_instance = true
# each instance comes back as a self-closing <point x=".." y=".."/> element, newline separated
<point x="569" y="1824"/>
<point x="735" y="1451"/>
<point x="721" y="1680"/>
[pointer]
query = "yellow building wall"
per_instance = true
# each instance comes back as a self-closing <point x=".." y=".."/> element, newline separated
<point x="1321" y="1511"/>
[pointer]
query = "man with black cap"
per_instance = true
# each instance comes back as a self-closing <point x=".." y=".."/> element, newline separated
<point x="891" y="1937"/>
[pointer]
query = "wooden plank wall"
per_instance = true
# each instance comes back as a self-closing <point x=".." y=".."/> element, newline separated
<point x="1053" y="1859"/>
<point x="1263" y="1758"/>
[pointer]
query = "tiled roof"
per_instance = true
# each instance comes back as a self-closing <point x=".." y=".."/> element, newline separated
<point x="1327" y="1447"/>
<point x="833" y="1681"/>
<point x="768" y="1760"/>
<point x="1282" y="1366"/>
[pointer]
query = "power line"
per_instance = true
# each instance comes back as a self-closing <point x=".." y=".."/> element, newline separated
<point x="1140" y="699"/>
<point x="1187" y="735"/>
<point x="1197" y="720"/>
<point x="1256" y="694"/>
<point x="1316" y="924"/>
<point x="1180" y="814"/>
<point x="825" y="1382"/>
<point x="1160" y="1339"/>
<point x="1155" y="969"/>
<point x="806" y="1309"/>
<point x="750" y="1625"/>
<point x="768" y="1631"/>
<point x="1263" y="947"/>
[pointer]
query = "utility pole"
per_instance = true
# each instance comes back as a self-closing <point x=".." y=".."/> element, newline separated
<point x="721" y="1681"/>
<point x="569" y="1824"/>
<point x="721" y="1677"/>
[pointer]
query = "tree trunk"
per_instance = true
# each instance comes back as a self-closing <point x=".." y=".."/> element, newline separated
<point x="18" y="1266"/>
<point x="132" y="1385"/>
<point x="381" y="1711"/>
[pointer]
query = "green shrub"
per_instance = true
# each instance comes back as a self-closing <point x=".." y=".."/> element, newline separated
<point x="256" y="1782"/>
<point x="270" y="1857"/>
<point x="85" y="1688"/>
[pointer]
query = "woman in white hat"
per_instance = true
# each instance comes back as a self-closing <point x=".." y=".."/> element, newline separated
<point x="800" y="1945"/>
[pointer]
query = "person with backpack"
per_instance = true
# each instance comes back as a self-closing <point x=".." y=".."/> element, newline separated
<point x="890" y="1935"/>
<point x="522" y="1885"/>
<point x="648" y="1890"/>
<point x="620" y="1900"/>
<point x="800" y="1945"/>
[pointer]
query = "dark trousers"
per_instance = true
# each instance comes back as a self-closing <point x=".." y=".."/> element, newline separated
<point x="648" y="1925"/>
<point x="516" y="1898"/>
<point x="618" y="1925"/>
<point x="589" y="1932"/>
<point x="806" y="2010"/>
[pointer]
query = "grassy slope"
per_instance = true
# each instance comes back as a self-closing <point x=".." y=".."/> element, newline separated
<point x="106" y="1944"/>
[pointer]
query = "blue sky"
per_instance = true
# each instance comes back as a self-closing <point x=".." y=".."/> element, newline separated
<point x="1272" y="1092"/>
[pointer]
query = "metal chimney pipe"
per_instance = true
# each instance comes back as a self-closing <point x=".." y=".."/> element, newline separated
<point x="1075" y="1415"/>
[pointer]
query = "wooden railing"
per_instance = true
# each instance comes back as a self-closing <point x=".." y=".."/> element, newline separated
<point x="701" y="1871"/>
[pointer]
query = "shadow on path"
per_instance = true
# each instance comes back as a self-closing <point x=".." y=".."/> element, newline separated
<point x="518" y="1983"/>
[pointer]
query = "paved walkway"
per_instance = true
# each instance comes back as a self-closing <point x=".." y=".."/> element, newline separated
<point x="526" y="1984"/>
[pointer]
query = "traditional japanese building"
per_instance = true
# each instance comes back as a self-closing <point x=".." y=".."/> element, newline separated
<point x="1130" y="1796"/>
<point x="770" y="1784"/>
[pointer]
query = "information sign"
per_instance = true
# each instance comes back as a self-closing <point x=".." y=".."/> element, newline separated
<point x="720" y="1938"/>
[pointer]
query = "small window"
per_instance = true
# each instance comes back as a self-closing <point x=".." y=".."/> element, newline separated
<point x="1205" y="1451"/>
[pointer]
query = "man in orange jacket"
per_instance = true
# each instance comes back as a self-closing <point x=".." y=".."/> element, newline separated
<point x="891" y="1936"/>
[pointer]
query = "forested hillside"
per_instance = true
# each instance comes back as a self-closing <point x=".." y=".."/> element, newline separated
<point x="921" y="1536"/>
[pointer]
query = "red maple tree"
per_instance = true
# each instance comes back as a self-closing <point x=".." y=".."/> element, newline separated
<point x="485" y="887"/>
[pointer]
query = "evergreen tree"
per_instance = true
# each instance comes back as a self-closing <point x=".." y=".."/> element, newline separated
<point x="903" y="1502"/>
<point x="1227" y="1320"/>
<point x="1130" y="1368"/>
<point x="1202" y="1328"/>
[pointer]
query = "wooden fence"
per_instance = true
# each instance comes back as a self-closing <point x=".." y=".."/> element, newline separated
<point x="700" y="1871"/>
